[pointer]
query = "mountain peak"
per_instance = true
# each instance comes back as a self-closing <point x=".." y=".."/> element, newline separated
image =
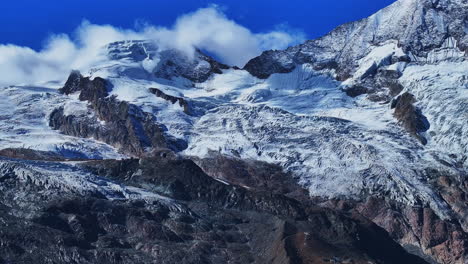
<point x="144" y="59"/>
<point x="424" y="29"/>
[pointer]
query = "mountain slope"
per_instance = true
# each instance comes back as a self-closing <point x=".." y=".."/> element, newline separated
<point x="366" y="124"/>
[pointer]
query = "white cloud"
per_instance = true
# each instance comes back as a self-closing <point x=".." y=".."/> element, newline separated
<point x="207" y="28"/>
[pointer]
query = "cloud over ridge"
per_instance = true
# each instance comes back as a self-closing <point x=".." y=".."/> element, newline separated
<point x="207" y="28"/>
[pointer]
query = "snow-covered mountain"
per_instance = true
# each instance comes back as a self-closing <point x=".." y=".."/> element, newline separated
<point x="416" y="30"/>
<point x="376" y="109"/>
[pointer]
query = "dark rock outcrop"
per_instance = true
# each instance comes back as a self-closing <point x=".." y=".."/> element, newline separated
<point x="183" y="180"/>
<point x="198" y="69"/>
<point x="454" y="190"/>
<point x="125" y="125"/>
<point x="31" y="154"/>
<point x="269" y="63"/>
<point x="252" y="174"/>
<point x="389" y="79"/>
<point x="90" y="90"/>
<point x="383" y="86"/>
<point x="356" y="90"/>
<point x="74" y="83"/>
<point x="410" y="116"/>
<point x="418" y="229"/>
<point x="173" y="99"/>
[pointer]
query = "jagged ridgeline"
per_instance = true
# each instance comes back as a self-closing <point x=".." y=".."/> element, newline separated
<point x="350" y="148"/>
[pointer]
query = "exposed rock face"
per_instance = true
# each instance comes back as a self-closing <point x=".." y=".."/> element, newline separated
<point x="199" y="69"/>
<point x="381" y="86"/>
<point x="389" y="79"/>
<point x="183" y="180"/>
<point x="90" y="90"/>
<point x="410" y="116"/>
<point x="218" y="223"/>
<point x="30" y="154"/>
<point x="271" y="62"/>
<point x="173" y="99"/>
<point x="455" y="191"/>
<point x="356" y="90"/>
<point x="252" y="174"/>
<point x="125" y="126"/>
<point x="418" y="229"/>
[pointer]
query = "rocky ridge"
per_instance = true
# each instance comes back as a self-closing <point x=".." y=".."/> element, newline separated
<point x="115" y="122"/>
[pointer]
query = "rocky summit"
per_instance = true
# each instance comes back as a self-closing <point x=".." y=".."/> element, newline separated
<point x="350" y="148"/>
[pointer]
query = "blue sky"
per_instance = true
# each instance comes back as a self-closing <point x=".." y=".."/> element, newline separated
<point x="30" y="22"/>
<point x="44" y="40"/>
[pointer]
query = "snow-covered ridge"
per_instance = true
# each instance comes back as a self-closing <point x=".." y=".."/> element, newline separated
<point x="426" y="31"/>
